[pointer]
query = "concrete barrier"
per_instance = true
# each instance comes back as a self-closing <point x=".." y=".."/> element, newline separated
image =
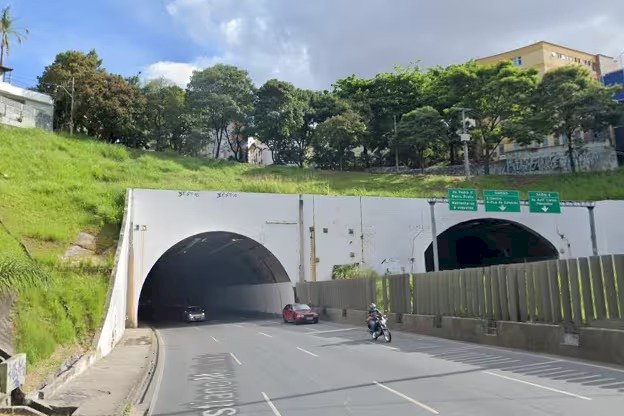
<point x="597" y="344"/>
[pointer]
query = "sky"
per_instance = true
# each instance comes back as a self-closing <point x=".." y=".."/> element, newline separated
<point x="310" y="43"/>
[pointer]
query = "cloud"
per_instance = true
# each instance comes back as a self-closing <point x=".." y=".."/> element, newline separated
<point x="313" y="43"/>
<point x="178" y="72"/>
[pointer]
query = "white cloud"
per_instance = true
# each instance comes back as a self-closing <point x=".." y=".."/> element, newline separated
<point x="178" y="72"/>
<point x="313" y="43"/>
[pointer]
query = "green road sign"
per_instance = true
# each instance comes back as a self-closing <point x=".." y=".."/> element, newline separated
<point x="544" y="202"/>
<point x="462" y="199"/>
<point x="501" y="201"/>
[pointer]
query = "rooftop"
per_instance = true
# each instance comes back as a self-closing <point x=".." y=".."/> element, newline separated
<point x="542" y="42"/>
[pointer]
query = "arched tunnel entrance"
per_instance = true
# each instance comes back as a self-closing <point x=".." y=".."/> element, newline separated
<point x="217" y="271"/>
<point x="487" y="242"/>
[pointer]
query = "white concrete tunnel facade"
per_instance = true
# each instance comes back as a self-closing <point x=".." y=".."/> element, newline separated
<point x="385" y="234"/>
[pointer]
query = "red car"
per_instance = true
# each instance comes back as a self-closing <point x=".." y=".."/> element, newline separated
<point x="299" y="313"/>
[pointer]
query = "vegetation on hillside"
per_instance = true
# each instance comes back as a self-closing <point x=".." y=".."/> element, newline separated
<point x="53" y="187"/>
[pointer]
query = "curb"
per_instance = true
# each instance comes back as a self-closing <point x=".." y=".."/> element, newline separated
<point x="137" y="396"/>
<point x="77" y="368"/>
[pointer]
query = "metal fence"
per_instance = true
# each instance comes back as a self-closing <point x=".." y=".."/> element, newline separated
<point x="577" y="291"/>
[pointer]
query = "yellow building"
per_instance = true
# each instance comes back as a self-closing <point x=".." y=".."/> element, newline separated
<point x="544" y="57"/>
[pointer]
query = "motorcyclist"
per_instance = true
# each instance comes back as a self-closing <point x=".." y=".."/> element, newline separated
<point x="373" y="318"/>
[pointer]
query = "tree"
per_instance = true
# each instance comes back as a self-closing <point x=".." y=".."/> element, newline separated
<point x="572" y="102"/>
<point x="56" y="81"/>
<point x="421" y="131"/>
<point x="278" y="115"/>
<point x="341" y="134"/>
<point x="379" y="101"/>
<point x="499" y="96"/>
<point x="164" y="117"/>
<point x="8" y="31"/>
<point x="221" y="97"/>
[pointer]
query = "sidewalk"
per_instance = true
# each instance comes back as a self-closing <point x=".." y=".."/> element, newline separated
<point x="111" y="383"/>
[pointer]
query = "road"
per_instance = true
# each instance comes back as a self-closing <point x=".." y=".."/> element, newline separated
<point x="266" y="367"/>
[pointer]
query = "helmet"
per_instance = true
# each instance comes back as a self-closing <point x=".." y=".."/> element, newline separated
<point x="372" y="306"/>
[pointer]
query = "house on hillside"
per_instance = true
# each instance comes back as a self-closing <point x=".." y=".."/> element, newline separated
<point x="258" y="153"/>
<point x="20" y="107"/>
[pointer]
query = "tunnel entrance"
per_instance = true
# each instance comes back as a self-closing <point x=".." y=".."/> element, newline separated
<point x="201" y="270"/>
<point x="488" y="242"/>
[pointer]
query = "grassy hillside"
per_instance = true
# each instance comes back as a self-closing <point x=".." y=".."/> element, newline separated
<point x="52" y="187"/>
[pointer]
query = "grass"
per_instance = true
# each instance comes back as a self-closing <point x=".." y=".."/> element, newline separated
<point x="52" y="187"/>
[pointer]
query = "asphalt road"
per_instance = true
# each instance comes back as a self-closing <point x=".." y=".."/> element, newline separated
<point x="266" y="367"/>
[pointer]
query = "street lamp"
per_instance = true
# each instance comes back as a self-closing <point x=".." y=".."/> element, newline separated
<point x="465" y="138"/>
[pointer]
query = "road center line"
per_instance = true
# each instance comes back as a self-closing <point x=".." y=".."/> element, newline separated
<point x="273" y="408"/>
<point x="214" y="339"/>
<point x="390" y="348"/>
<point x="409" y="399"/>
<point x="310" y="329"/>
<point x="334" y="330"/>
<point x="238" y="325"/>
<point x="307" y="352"/>
<point x="266" y="335"/>
<point x="567" y="393"/>
<point x="236" y="359"/>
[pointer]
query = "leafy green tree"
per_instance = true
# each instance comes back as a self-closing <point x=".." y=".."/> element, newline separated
<point x="500" y="97"/>
<point x="279" y="115"/>
<point x="56" y="81"/>
<point x="221" y="97"/>
<point x="422" y="132"/>
<point x="165" y="119"/>
<point x="8" y="31"/>
<point x="379" y="101"/>
<point x="340" y="134"/>
<point x="570" y="101"/>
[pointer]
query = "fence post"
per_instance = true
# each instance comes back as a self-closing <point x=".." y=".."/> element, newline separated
<point x="597" y="286"/>
<point x="619" y="271"/>
<point x="609" y="282"/>
<point x="566" y="303"/>
<point x="588" y="301"/>
<point x="555" y="296"/>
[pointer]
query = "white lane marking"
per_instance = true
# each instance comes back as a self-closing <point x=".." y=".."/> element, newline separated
<point x="266" y="335"/>
<point x="334" y="330"/>
<point x="160" y="369"/>
<point x="214" y="339"/>
<point x="390" y="348"/>
<point x="275" y="411"/>
<point x="236" y="359"/>
<point x="520" y="367"/>
<point x="238" y="325"/>
<point x="307" y="352"/>
<point x="310" y="329"/>
<point x="409" y="399"/>
<point x="567" y="393"/>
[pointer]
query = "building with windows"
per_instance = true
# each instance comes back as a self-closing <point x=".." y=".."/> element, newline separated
<point x="545" y="56"/>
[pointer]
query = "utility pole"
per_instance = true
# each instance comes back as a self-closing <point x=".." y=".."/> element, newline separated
<point x="71" y="109"/>
<point x="465" y="138"/>
<point x="396" y="146"/>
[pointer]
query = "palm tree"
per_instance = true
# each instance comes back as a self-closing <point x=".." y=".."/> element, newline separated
<point x="8" y="30"/>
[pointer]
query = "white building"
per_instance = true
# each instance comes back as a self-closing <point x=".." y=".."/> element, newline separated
<point x="20" y="107"/>
<point x="258" y="153"/>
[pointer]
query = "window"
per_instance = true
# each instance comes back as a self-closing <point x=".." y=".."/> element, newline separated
<point x="545" y="142"/>
<point x="517" y="61"/>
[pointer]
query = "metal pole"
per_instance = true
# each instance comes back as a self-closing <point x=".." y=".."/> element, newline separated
<point x="466" y="158"/>
<point x="434" y="238"/>
<point x="396" y="146"/>
<point x="71" y="110"/>
<point x="301" y="242"/>
<point x="592" y="230"/>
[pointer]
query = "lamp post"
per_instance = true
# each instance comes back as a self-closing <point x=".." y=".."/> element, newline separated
<point x="72" y="94"/>
<point x="465" y="138"/>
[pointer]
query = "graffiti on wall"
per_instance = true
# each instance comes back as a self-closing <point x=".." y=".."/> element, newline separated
<point x="12" y="373"/>
<point x="553" y="162"/>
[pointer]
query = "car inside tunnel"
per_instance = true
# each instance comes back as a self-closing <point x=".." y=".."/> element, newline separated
<point x="488" y="242"/>
<point x="219" y="272"/>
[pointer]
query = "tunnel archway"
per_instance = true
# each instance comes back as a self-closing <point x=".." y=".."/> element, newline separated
<point x="200" y="269"/>
<point x="488" y="242"/>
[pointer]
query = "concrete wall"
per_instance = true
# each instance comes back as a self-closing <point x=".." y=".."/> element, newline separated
<point x="115" y="320"/>
<point x="23" y="108"/>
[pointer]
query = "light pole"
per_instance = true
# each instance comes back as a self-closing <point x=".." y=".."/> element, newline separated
<point x="465" y="138"/>
<point x="71" y="94"/>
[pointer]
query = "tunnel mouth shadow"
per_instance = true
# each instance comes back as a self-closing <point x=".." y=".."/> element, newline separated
<point x="487" y="242"/>
<point x="206" y="270"/>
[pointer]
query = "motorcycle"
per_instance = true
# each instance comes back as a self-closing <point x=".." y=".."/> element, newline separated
<point x="381" y="327"/>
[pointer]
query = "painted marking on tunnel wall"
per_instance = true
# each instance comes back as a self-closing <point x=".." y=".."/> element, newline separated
<point x="544" y="202"/>
<point x="462" y="199"/>
<point x="501" y="201"/>
<point x="226" y="195"/>
<point x="188" y="193"/>
<point x="215" y="386"/>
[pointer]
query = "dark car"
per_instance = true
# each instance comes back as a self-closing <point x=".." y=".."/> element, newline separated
<point x="299" y="313"/>
<point x="193" y="314"/>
